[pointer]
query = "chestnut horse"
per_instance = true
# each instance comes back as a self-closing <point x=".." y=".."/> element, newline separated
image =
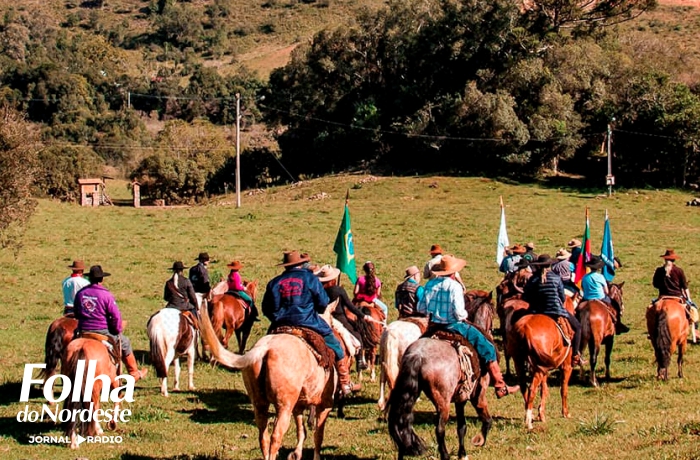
<point x="280" y="370"/>
<point x="399" y="334"/>
<point x="232" y="313"/>
<point x="598" y="328"/>
<point x="88" y="350"/>
<point x="536" y="345"/>
<point x="506" y="312"/>
<point x="433" y="366"/>
<point x="668" y="327"/>
<point x="58" y="336"/>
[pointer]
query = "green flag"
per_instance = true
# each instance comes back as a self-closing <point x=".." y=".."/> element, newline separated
<point x="345" y="248"/>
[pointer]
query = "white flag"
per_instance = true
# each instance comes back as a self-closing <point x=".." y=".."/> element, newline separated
<point x="502" y="237"/>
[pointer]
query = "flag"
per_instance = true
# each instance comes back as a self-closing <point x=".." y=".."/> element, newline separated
<point x="344" y="246"/>
<point x="585" y="253"/>
<point x="606" y="251"/>
<point x="502" y="236"/>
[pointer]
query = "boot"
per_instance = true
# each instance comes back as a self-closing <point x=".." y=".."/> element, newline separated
<point x="254" y="312"/>
<point x="620" y="328"/>
<point x="578" y="360"/>
<point x="360" y="360"/>
<point x="133" y="368"/>
<point x="499" y="384"/>
<point x="346" y="386"/>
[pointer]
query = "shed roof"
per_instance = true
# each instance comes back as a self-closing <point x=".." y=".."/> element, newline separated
<point x="96" y="180"/>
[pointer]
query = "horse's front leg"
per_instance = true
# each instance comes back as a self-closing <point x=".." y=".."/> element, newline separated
<point x="461" y="430"/>
<point x="321" y="416"/>
<point x="301" y="436"/>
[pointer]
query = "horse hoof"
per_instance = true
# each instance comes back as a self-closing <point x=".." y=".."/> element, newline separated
<point x="112" y="425"/>
<point x="478" y="441"/>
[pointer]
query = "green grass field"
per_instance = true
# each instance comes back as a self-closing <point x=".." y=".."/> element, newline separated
<point x="394" y="220"/>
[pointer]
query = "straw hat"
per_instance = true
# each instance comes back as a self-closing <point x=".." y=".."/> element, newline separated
<point x="411" y="271"/>
<point x="563" y="254"/>
<point x="530" y="245"/>
<point x="574" y="243"/>
<point x="448" y="265"/>
<point x="328" y="273"/>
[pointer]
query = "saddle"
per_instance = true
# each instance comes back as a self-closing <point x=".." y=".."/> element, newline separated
<point x="190" y="319"/>
<point x="113" y="346"/>
<point x="565" y="329"/>
<point x="465" y="352"/>
<point x="322" y="352"/>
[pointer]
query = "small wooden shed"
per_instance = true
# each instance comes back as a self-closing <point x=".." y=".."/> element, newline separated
<point x="91" y="192"/>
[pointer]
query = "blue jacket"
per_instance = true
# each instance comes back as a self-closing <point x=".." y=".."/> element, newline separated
<point x="546" y="298"/>
<point x="295" y="298"/>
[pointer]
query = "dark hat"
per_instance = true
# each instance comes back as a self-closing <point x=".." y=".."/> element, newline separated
<point x="292" y="258"/>
<point x="435" y="249"/>
<point x="518" y="249"/>
<point x="543" y="260"/>
<point x="178" y="266"/>
<point x="78" y="265"/>
<point x="96" y="272"/>
<point x="448" y="265"/>
<point x="670" y="254"/>
<point x="235" y="265"/>
<point x="522" y="263"/>
<point x="203" y="256"/>
<point x="596" y="263"/>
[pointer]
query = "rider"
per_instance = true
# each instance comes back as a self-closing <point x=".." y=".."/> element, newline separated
<point x="595" y="287"/>
<point x="408" y="293"/>
<point x="71" y="285"/>
<point x="509" y="264"/>
<point x="670" y="280"/>
<point x="368" y="288"/>
<point x="530" y="255"/>
<point x="435" y="258"/>
<point x="199" y="276"/>
<point x="565" y="269"/>
<point x="97" y="311"/>
<point x="295" y="298"/>
<point x="443" y="302"/>
<point x="178" y="291"/>
<point x="544" y="292"/>
<point x="235" y="287"/>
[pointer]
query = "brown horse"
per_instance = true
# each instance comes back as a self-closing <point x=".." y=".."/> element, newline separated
<point x="508" y="309"/>
<point x="598" y="328"/>
<point x="232" y="313"/>
<point x="433" y="367"/>
<point x="88" y="349"/>
<point x="511" y="287"/>
<point x="280" y="370"/>
<point x="536" y="345"/>
<point x="58" y="336"/>
<point x="668" y="327"/>
<point x="480" y="309"/>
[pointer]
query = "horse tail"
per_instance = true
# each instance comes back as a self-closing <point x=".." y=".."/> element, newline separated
<point x="69" y="426"/>
<point x="585" y="320"/>
<point x="217" y="319"/>
<point x="403" y="398"/>
<point x="158" y="346"/>
<point x="53" y="348"/>
<point x="662" y="341"/>
<point x="222" y="355"/>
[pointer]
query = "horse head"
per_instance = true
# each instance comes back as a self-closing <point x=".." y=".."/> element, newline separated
<point x="251" y="287"/>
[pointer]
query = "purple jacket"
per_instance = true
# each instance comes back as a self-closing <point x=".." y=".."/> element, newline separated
<point x="96" y="309"/>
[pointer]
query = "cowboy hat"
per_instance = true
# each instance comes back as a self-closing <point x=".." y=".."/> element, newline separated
<point x="96" y="272"/>
<point x="203" y="256"/>
<point x="543" y="260"/>
<point x="78" y="265"/>
<point x="435" y="249"/>
<point x="235" y="265"/>
<point x="328" y="273"/>
<point x="411" y="271"/>
<point x="563" y="254"/>
<point x="596" y="263"/>
<point x="670" y="254"/>
<point x="448" y="265"/>
<point x="292" y="258"/>
<point x="574" y="243"/>
<point x="178" y="266"/>
<point x="518" y="249"/>
<point x="530" y="245"/>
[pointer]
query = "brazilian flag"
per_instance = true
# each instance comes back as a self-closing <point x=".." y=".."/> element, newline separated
<point x="345" y="248"/>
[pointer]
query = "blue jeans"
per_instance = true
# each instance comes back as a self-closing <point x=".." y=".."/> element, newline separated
<point x="383" y="306"/>
<point x="333" y="343"/>
<point x="126" y="343"/>
<point x="483" y="346"/>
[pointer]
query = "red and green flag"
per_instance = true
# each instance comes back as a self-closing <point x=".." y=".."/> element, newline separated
<point x="585" y="253"/>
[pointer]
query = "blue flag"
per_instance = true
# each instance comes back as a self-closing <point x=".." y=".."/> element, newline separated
<point x="607" y="253"/>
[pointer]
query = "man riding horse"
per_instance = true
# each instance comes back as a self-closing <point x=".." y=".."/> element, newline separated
<point x="670" y="280"/>
<point x="179" y="292"/>
<point x="408" y="293"/>
<point x="71" y="285"/>
<point x="443" y="302"/>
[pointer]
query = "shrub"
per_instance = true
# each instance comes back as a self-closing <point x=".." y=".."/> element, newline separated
<point x="62" y="166"/>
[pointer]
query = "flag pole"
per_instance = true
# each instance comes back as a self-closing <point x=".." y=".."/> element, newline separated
<point x="501" y="200"/>
<point x="347" y="197"/>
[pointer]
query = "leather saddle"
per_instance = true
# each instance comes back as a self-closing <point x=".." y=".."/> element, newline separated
<point x="113" y="346"/>
<point x="466" y="355"/>
<point x="324" y="355"/>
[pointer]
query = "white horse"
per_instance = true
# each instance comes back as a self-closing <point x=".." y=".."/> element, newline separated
<point x="397" y="336"/>
<point x="172" y="336"/>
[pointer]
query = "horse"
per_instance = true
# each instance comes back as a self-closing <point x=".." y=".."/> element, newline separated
<point x="536" y="345"/>
<point x="58" y="336"/>
<point x="88" y="349"/>
<point x="598" y="328"/>
<point x="433" y="366"/>
<point x="668" y="327"/>
<point x="399" y="334"/>
<point x="280" y="370"/>
<point x="171" y="335"/>
<point x="506" y="312"/>
<point x="511" y="287"/>
<point x="371" y="333"/>
<point x="233" y="313"/>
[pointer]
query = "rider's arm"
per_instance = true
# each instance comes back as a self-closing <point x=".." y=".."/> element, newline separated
<point x="457" y="298"/>
<point x="114" y="316"/>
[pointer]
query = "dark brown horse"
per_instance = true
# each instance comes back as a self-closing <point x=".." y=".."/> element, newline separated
<point x="511" y="287"/>
<point x="536" y="345"/>
<point x="371" y="333"/>
<point x="433" y="367"/>
<point x="598" y="328"/>
<point x="58" y="336"/>
<point x="668" y="327"/>
<point x="480" y="309"/>
<point x="232" y="313"/>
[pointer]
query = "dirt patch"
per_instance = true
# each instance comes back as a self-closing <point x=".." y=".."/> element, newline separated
<point x="265" y="60"/>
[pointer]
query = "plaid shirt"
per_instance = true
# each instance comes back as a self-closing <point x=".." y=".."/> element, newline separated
<point x="443" y="301"/>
